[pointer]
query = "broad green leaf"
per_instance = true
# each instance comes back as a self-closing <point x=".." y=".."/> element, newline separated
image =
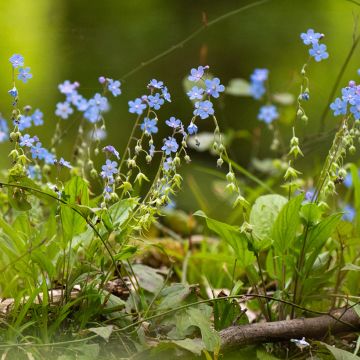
<point x="103" y="331"/>
<point x="196" y="346"/>
<point x="262" y="217"/>
<point x="120" y="211"/>
<point x="232" y="235"/>
<point x="317" y="237"/>
<point x="148" y="278"/>
<point x="311" y="213"/>
<point x="88" y="351"/>
<point x="319" y="233"/>
<point x="286" y="225"/>
<point x="75" y="193"/>
<point x="238" y="87"/>
<point x="173" y="296"/>
<point x="209" y="336"/>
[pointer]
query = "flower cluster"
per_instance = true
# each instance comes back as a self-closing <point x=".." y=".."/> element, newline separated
<point x="257" y="83"/>
<point x="268" y="112"/>
<point x="349" y="101"/>
<point x="155" y="100"/>
<point x="17" y="62"/>
<point x="92" y="109"/>
<point x="317" y="51"/>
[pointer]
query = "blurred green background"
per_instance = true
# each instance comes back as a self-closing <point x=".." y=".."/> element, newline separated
<point x="81" y="40"/>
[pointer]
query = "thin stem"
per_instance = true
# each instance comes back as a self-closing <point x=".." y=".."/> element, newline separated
<point x="192" y="36"/>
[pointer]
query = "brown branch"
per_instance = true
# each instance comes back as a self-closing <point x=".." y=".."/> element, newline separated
<point x="310" y="328"/>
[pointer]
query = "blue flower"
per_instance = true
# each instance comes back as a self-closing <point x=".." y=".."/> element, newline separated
<point x="63" y="110"/>
<point x="27" y="140"/>
<point x="305" y="96"/>
<point x="17" y="60"/>
<point x="192" y="129"/>
<point x="257" y="80"/>
<point x="268" y="113"/>
<point x="309" y="195"/>
<point x="136" y="106"/>
<point x="196" y="93"/>
<point x="165" y="93"/>
<point x="310" y="37"/>
<point x="149" y="126"/>
<point x="48" y="157"/>
<point x="24" y="122"/>
<point x="213" y="87"/>
<point x="63" y="163"/>
<point x="155" y="84"/>
<point x="110" y="149"/>
<point x="38" y="152"/>
<point x="37" y="117"/>
<point x="203" y="109"/>
<point x="257" y="90"/>
<point x="170" y="145"/>
<point x="318" y="51"/>
<point x="339" y="107"/>
<point x="197" y="74"/>
<point x="349" y="95"/>
<point x="349" y="213"/>
<point x="168" y="164"/>
<point x="155" y="101"/>
<point x="259" y="75"/>
<point x="80" y="103"/>
<point x="151" y="150"/>
<point x="34" y="172"/>
<point x="114" y="87"/>
<point x="173" y="122"/>
<point x="4" y="130"/>
<point x="100" y="102"/>
<point x="67" y="87"/>
<point x="109" y="169"/>
<point x="92" y="114"/>
<point x="24" y="74"/>
<point x="13" y="92"/>
<point x="348" y="180"/>
<point x="355" y="109"/>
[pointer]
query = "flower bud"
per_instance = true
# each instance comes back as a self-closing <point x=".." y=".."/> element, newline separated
<point x="230" y="176"/>
<point x="352" y="150"/>
<point x="219" y="162"/>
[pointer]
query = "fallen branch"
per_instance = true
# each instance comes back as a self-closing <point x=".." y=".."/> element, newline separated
<point x="340" y="321"/>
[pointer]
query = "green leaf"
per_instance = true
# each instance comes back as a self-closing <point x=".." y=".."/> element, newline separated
<point x="340" y="354"/>
<point x="209" y="336"/>
<point x="232" y="235"/>
<point x="126" y="252"/>
<point x="148" y="278"/>
<point x="120" y="211"/>
<point x="238" y="87"/>
<point x="173" y="296"/>
<point x="351" y="267"/>
<point x="75" y="193"/>
<point x="196" y="346"/>
<point x="262" y="217"/>
<point x="286" y="225"/>
<point x="311" y="213"/>
<point x="103" y="331"/>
